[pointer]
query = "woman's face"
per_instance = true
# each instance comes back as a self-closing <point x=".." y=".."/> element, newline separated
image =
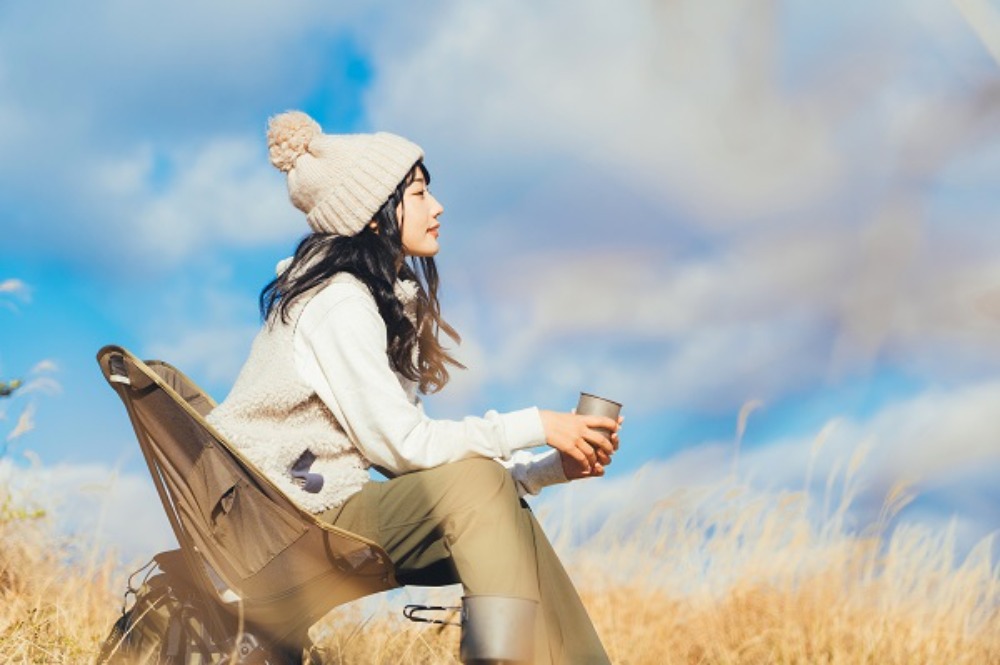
<point x="418" y="213"/>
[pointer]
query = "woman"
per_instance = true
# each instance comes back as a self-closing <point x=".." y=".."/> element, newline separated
<point x="351" y="335"/>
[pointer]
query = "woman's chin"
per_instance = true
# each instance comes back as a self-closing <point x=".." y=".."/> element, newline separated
<point x="425" y="250"/>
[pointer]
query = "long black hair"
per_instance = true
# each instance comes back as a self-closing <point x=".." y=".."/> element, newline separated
<point x="375" y="256"/>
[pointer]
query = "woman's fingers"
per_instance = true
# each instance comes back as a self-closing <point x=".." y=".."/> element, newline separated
<point x="601" y="422"/>
<point x="599" y="440"/>
<point x="579" y="455"/>
<point x="582" y="452"/>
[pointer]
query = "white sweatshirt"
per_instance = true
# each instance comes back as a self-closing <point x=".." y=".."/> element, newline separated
<point x="341" y="401"/>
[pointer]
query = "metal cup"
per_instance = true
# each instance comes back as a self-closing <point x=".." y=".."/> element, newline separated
<point x="497" y="629"/>
<point x="592" y="405"/>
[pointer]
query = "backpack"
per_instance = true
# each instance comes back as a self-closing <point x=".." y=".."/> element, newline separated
<point x="171" y="623"/>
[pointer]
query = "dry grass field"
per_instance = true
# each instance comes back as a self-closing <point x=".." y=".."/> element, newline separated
<point x="724" y="575"/>
<point x="56" y="599"/>
<point x="720" y="575"/>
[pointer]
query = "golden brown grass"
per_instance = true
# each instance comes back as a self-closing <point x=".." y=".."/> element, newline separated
<point x="55" y="599"/>
<point x="718" y="575"/>
<point x="726" y="576"/>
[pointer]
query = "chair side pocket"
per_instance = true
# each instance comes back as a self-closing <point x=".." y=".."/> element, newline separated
<point x="248" y="529"/>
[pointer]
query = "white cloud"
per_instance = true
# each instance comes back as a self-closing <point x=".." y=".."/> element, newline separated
<point x="805" y="205"/>
<point x="760" y="318"/>
<point x="97" y="503"/>
<point x="222" y="194"/>
<point x="937" y="432"/>
<point x="14" y="286"/>
<point x="138" y="130"/>
<point x="155" y="66"/>
<point x="684" y="101"/>
<point x="941" y="441"/>
<point x="204" y="327"/>
<point x="942" y="444"/>
<point x="212" y="353"/>
<point x="43" y="366"/>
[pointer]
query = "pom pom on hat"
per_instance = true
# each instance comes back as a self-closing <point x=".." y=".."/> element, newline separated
<point x="288" y="137"/>
<point x="338" y="180"/>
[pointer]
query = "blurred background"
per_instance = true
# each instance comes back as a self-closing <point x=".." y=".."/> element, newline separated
<point x="768" y="228"/>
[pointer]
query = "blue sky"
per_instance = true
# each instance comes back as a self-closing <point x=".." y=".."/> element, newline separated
<point x="685" y="206"/>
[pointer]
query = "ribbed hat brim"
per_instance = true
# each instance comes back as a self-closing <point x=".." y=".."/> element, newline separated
<point x="381" y="161"/>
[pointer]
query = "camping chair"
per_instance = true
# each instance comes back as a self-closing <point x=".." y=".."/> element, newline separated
<point x="246" y="545"/>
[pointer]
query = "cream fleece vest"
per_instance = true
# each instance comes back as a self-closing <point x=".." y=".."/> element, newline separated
<point x="273" y="417"/>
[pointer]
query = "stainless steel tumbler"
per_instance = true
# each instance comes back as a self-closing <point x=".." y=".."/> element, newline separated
<point x="592" y="405"/>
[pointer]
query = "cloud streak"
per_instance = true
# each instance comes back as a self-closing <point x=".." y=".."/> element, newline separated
<point x="12" y="287"/>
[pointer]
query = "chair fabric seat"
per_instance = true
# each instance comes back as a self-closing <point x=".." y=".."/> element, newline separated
<point x="238" y="533"/>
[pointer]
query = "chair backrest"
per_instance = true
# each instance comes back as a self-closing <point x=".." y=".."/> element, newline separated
<point x="245" y="541"/>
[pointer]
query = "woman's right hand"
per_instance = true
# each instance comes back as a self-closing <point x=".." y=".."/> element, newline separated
<point x="575" y="435"/>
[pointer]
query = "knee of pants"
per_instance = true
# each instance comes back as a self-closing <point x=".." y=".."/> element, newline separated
<point x="479" y="480"/>
<point x="481" y="494"/>
<point x="489" y="540"/>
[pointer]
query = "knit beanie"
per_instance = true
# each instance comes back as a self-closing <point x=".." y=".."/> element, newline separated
<point x="338" y="180"/>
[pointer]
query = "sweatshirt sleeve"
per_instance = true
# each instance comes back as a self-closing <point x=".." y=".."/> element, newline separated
<point x="340" y="348"/>
<point x="533" y="471"/>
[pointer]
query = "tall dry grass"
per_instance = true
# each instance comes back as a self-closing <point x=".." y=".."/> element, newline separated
<point x="56" y="596"/>
<point x="722" y="574"/>
<point x="729" y="575"/>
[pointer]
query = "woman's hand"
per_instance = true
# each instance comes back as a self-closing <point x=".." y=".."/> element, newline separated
<point x="584" y="451"/>
<point x="574" y="470"/>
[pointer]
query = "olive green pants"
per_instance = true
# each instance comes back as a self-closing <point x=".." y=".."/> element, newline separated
<point x="463" y="522"/>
